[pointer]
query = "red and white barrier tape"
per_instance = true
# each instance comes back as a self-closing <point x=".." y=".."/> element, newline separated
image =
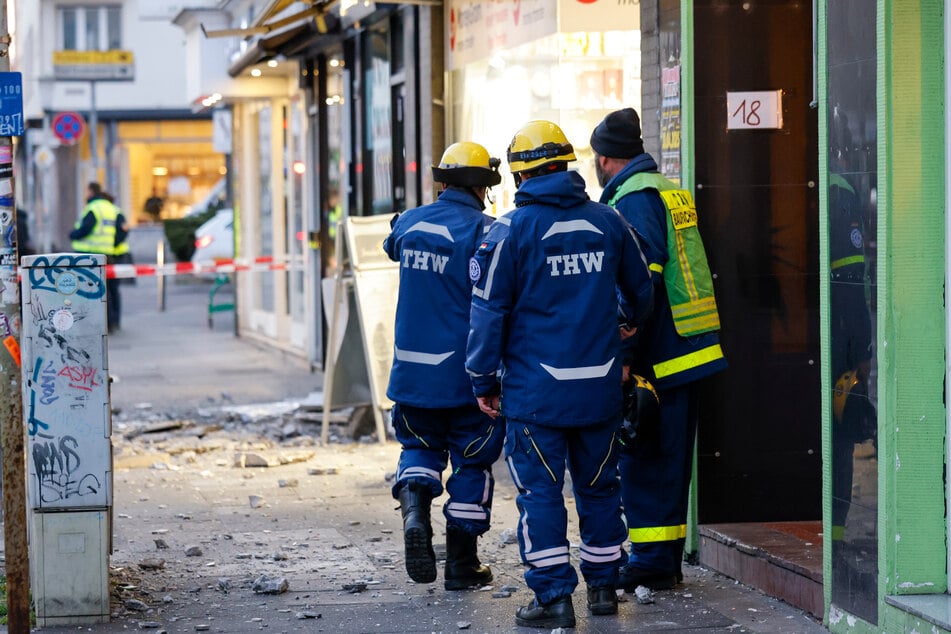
<point x="264" y="263"/>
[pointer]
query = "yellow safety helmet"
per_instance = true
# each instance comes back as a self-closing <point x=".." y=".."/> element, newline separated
<point x="840" y="395"/>
<point x="538" y="143"/>
<point x="467" y="164"/>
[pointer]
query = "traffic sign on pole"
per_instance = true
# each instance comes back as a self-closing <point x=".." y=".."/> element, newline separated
<point x="68" y="127"/>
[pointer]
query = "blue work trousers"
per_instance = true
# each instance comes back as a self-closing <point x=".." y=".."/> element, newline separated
<point x="655" y="483"/>
<point x="537" y="456"/>
<point x="469" y="440"/>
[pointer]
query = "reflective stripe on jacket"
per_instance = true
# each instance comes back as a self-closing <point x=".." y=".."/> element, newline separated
<point x="102" y="239"/>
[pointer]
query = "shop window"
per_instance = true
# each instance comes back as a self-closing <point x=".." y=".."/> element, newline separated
<point x="853" y="175"/>
<point x="333" y="200"/>
<point x="572" y="79"/>
<point x="295" y="238"/>
<point x="378" y="138"/>
<point x="90" y="28"/>
<point x="266" y="206"/>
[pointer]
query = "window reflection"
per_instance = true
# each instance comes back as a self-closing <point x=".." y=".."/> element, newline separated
<point x="852" y="138"/>
<point x="333" y="210"/>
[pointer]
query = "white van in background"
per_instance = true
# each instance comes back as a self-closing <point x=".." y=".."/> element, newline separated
<point x="215" y="196"/>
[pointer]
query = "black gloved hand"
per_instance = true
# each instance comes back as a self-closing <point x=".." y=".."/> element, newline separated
<point x="641" y="424"/>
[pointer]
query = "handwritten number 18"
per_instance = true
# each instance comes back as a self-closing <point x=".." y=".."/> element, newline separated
<point x="749" y="116"/>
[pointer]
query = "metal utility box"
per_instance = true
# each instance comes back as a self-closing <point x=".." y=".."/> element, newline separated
<point x="66" y="411"/>
<point x="69" y="560"/>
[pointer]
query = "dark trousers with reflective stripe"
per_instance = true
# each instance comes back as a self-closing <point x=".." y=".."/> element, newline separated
<point x="655" y="483"/>
<point x="470" y="440"/>
<point x="537" y="456"/>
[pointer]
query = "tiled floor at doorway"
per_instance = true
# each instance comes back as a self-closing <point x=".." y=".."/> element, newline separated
<point x="782" y="559"/>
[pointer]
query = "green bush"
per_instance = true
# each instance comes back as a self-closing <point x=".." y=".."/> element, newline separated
<point x="180" y="233"/>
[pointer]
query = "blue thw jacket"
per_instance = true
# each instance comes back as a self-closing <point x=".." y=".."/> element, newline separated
<point x="433" y="245"/>
<point x="544" y="305"/>
<point x="660" y="354"/>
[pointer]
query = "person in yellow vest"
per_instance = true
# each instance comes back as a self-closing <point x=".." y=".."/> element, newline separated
<point x="100" y="228"/>
<point x="678" y="346"/>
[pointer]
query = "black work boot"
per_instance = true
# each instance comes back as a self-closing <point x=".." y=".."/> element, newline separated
<point x="602" y="600"/>
<point x="415" y="501"/>
<point x="630" y="577"/>
<point x="463" y="568"/>
<point x="558" y="613"/>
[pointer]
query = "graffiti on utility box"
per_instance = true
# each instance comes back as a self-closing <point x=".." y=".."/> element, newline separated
<point x="66" y="382"/>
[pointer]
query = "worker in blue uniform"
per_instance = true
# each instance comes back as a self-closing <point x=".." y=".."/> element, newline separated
<point x="435" y="416"/>
<point x="673" y="351"/>
<point x="543" y="353"/>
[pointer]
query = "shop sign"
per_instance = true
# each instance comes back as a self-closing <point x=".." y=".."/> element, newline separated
<point x="115" y="65"/>
<point x="479" y="27"/>
<point x="598" y="15"/>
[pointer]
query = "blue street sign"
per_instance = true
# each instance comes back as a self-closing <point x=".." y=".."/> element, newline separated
<point x="11" y="104"/>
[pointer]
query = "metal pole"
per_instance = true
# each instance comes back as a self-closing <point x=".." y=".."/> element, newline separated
<point x="93" y="131"/>
<point x="159" y="263"/>
<point x="11" y="396"/>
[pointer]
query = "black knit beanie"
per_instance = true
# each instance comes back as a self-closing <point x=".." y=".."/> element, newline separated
<point x="618" y="135"/>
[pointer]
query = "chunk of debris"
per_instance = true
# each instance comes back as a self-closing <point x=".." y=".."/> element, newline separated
<point x="356" y="587"/>
<point x="152" y="564"/>
<point x="170" y="425"/>
<point x="194" y="551"/>
<point x="256" y="501"/>
<point x="248" y="460"/>
<point x="135" y="604"/>
<point x="161" y="544"/>
<point x="508" y="536"/>
<point x="644" y="595"/>
<point x="149" y="625"/>
<point x="267" y="584"/>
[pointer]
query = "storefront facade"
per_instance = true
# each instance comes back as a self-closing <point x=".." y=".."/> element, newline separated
<point x="326" y="118"/>
<point x="828" y="233"/>
<point x="825" y="229"/>
<point x="883" y="94"/>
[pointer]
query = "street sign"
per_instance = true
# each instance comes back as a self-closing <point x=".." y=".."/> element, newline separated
<point x="11" y="104"/>
<point x="68" y="127"/>
<point x="94" y="65"/>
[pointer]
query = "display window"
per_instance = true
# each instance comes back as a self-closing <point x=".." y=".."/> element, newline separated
<point x="572" y="79"/>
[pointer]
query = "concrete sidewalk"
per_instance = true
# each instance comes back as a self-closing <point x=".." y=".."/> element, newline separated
<point x="195" y="525"/>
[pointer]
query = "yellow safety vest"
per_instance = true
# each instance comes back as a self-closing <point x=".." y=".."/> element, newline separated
<point x="687" y="274"/>
<point x="102" y="238"/>
<point x="123" y="247"/>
